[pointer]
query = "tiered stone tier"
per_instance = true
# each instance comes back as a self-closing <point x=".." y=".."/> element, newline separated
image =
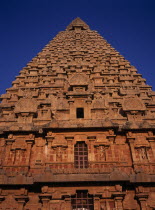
<point x="78" y="68"/>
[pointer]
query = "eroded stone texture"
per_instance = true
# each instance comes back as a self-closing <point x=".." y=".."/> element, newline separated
<point x="78" y="91"/>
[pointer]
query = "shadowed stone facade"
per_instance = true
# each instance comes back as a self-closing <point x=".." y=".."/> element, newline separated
<point x="77" y="130"/>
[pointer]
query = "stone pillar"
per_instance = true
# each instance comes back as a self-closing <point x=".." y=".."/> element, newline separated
<point x="111" y="139"/>
<point x="151" y="139"/>
<point x="118" y="197"/>
<point x="87" y="109"/>
<point x="67" y="203"/>
<point x="45" y="200"/>
<point x="9" y="143"/>
<point x="72" y="109"/>
<point x="49" y="139"/>
<point x="91" y="154"/>
<point x="96" y="203"/>
<point x="21" y="201"/>
<point x="131" y="143"/>
<point x="70" y="154"/>
<point x="142" y="200"/>
<point x="29" y="146"/>
<point x="56" y="205"/>
<point x="1" y="199"/>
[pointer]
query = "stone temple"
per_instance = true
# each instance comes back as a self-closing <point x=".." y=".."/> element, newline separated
<point x="77" y="130"/>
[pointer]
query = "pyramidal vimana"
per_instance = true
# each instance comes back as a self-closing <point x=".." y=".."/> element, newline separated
<point x="77" y="129"/>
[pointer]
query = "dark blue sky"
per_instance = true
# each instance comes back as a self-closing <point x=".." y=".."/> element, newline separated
<point x="28" y="25"/>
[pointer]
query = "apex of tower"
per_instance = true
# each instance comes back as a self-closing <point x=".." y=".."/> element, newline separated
<point x="77" y="23"/>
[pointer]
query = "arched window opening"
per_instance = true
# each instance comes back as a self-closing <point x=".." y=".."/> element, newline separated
<point x="81" y="155"/>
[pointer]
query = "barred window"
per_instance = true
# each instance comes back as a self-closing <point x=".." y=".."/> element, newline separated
<point x="82" y="201"/>
<point x="81" y="155"/>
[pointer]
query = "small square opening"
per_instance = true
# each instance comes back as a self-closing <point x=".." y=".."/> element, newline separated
<point x="80" y="113"/>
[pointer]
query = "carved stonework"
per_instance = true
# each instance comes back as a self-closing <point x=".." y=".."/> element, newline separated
<point x="61" y="103"/>
<point x="38" y="152"/>
<point x="26" y="105"/>
<point x="101" y="153"/>
<point x="79" y="80"/>
<point x="129" y="201"/>
<point x="108" y="204"/>
<point x="151" y="200"/>
<point x="133" y="104"/>
<point x="78" y="121"/>
<point x="33" y="203"/>
<point x="56" y="205"/>
<point x="9" y="203"/>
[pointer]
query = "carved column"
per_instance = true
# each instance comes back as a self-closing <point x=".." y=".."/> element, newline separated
<point x="56" y="205"/>
<point x="49" y="139"/>
<point x="88" y="112"/>
<point x="9" y="143"/>
<point x="45" y="198"/>
<point x="1" y="199"/>
<point x="151" y="139"/>
<point x="29" y="142"/>
<point x="2" y="150"/>
<point x="67" y="203"/>
<point x="96" y="202"/>
<point x="70" y="150"/>
<point x="142" y="200"/>
<point x="72" y="109"/>
<point x="131" y="143"/>
<point x="21" y="201"/>
<point x="91" y="157"/>
<point x="118" y="197"/>
<point x="111" y="137"/>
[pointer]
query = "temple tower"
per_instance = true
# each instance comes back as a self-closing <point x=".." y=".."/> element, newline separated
<point x="77" y="129"/>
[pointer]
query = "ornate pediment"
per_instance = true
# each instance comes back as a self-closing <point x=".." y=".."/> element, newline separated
<point x="133" y="104"/>
<point x="59" y="140"/>
<point x="26" y="105"/>
<point x="79" y="80"/>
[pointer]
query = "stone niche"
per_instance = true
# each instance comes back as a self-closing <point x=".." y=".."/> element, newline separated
<point x="62" y="108"/>
<point x="45" y="112"/>
<point x="59" y="148"/>
<point x="17" y="154"/>
<point x="99" y="108"/>
<point x="38" y="153"/>
<point x="79" y="83"/>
